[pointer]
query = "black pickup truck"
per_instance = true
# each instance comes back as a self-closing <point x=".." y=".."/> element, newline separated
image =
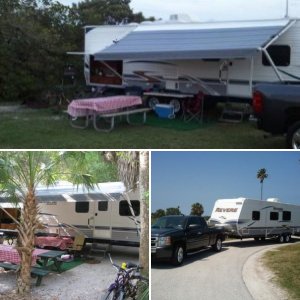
<point x="277" y="108"/>
<point x="172" y="237"/>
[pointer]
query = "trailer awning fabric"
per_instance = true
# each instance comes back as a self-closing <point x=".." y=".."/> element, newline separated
<point x="209" y="43"/>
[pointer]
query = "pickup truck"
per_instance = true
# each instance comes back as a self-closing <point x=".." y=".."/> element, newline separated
<point x="172" y="237"/>
<point x="277" y="108"/>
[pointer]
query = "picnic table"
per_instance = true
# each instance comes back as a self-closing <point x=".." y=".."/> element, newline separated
<point x="104" y="107"/>
<point x="51" y="256"/>
<point x="9" y="254"/>
<point x="58" y="242"/>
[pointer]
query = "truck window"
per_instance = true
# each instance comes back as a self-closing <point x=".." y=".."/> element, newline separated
<point x="82" y="207"/>
<point x="256" y="215"/>
<point x="102" y="205"/>
<point x="273" y="215"/>
<point x="124" y="209"/>
<point x="195" y="221"/>
<point x="280" y="54"/>
<point x="286" y="216"/>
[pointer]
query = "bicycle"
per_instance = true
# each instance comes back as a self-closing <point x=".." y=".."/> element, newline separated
<point x="125" y="285"/>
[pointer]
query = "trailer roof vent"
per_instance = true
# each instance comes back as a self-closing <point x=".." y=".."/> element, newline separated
<point x="273" y="200"/>
<point x="180" y="18"/>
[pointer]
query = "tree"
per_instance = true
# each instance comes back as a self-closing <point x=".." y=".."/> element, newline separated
<point x="173" y="211"/>
<point x="197" y="209"/>
<point x="20" y="174"/>
<point x="261" y="175"/>
<point x="133" y="170"/>
<point x="158" y="214"/>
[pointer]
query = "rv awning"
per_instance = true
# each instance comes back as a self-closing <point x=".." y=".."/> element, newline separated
<point x="193" y="42"/>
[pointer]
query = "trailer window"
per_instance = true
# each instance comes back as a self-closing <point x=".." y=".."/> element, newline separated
<point x="280" y="54"/>
<point x="286" y="216"/>
<point x="82" y="207"/>
<point x="256" y="215"/>
<point x="124" y="209"/>
<point x="102" y="205"/>
<point x="273" y="215"/>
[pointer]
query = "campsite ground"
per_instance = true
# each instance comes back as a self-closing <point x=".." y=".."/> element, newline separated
<point x="84" y="282"/>
<point x="23" y="128"/>
<point x="236" y="272"/>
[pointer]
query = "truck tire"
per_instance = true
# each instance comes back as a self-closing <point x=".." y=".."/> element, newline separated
<point x="287" y="238"/>
<point x="256" y="239"/>
<point x="178" y="255"/>
<point x="218" y="245"/>
<point x="293" y="136"/>
<point x="281" y="239"/>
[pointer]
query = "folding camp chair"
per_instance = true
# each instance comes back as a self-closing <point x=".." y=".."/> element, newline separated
<point x="193" y="108"/>
<point x="77" y="245"/>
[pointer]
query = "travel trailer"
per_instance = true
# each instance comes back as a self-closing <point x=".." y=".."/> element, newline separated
<point x="169" y="60"/>
<point x="103" y="214"/>
<point x="246" y="218"/>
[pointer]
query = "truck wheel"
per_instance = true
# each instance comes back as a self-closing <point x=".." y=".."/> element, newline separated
<point x="178" y="255"/>
<point x="287" y="238"/>
<point x="281" y="239"/>
<point x="218" y="245"/>
<point x="256" y="239"/>
<point x="293" y="136"/>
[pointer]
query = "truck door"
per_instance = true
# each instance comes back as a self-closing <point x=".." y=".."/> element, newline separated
<point x="196" y="235"/>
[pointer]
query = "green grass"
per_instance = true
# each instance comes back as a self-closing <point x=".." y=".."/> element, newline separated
<point x="284" y="262"/>
<point x="42" y="129"/>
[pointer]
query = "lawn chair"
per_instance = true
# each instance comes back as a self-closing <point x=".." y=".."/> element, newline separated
<point x="77" y="245"/>
<point x="193" y="108"/>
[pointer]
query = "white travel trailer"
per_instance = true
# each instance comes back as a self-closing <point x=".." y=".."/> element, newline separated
<point x="102" y="214"/>
<point x="245" y="218"/>
<point x="222" y="59"/>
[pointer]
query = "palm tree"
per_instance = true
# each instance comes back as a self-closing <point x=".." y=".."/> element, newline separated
<point x="133" y="170"/>
<point x="197" y="209"/>
<point x="20" y="174"/>
<point x="261" y="175"/>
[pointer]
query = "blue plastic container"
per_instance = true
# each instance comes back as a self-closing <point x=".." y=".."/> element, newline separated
<point x="165" y="111"/>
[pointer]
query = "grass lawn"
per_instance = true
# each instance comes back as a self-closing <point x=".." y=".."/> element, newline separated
<point x="42" y="129"/>
<point x="284" y="262"/>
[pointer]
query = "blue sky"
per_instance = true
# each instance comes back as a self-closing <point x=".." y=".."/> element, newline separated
<point x="207" y="10"/>
<point x="183" y="177"/>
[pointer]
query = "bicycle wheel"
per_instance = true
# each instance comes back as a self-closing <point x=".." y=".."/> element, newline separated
<point x="113" y="295"/>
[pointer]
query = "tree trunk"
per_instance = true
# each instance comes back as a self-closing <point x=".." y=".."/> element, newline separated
<point x="144" y="189"/>
<point x="25" y="247"/>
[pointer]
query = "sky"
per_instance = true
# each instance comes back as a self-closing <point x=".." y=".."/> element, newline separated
<point x="181" y="178"/>
<point x="208" y="10"/>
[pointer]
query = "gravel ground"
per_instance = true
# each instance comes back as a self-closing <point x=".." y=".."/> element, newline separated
<point x="85" y="282"/>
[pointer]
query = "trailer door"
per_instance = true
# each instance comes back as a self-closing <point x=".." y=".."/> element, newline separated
<point x="102" y="219"/>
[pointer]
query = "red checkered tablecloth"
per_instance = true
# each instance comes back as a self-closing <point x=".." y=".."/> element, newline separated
<point x="10" y="254"/>
<point x="84" y="107"/>
<point x="61" y="243"/>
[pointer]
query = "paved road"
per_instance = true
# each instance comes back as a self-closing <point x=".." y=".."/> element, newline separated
<point x="209" y="275"/>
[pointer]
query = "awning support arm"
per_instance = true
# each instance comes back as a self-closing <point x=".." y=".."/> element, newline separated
<point x="276" y="37"/>
<point x="251" y="73"/>
<point x="112" y="69"/>
<point x="272" y="63"/>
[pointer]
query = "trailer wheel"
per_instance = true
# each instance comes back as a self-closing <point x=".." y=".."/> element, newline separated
<point x="218" y="245"/>
<point x="293" y="136"/>
<point x="287" y="238"/>
<point x="152" y="102"/>
<point x="176" y="104"/>
<point x="256" y="239"/>
<point x="178" y="255"/>
<point x="281" y="239"/>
